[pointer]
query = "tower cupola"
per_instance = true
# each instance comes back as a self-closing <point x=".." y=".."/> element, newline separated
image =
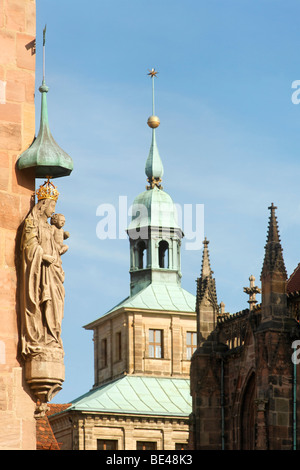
<point x="154" y="233"/>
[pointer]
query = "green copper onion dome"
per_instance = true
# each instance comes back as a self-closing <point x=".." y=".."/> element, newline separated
<point x="44" y="153"/>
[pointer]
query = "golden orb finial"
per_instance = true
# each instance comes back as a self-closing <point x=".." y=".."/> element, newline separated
<point x="153" y="122"/>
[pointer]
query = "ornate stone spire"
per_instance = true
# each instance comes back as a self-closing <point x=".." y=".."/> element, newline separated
<point x="207" y="306"/>
<point x="252" y="291"/>
<point x="206" y="285"/>
<point x="206" y="269"/>
<point x="273" y="278"/>
<point x="44" y="154"/>
<point x="154" y="168"/>
<point x="273" y="261"/>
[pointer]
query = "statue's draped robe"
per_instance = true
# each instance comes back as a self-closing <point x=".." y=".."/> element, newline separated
<point x="42" y="291"/>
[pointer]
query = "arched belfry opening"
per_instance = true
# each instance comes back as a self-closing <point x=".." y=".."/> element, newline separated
<point x="163" y="254"/>
<point x="141" y="255"/>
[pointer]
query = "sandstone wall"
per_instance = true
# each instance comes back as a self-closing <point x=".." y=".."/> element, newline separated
<point x="17" y="129"/>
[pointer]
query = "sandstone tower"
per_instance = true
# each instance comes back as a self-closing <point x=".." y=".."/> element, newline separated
<point x="17" y="130"/>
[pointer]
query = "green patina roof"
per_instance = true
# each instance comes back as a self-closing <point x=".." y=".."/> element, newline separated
<point x="167" y="297"/>
<point x="44" y="154"/>
<point x="139" y="395"/>
<point x="160" y="210"/>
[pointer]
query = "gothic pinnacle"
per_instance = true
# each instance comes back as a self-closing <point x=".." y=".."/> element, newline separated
<point x="206" y="283"/>
<point x="252" y="291"/>
<point x="273" y="260"/>
<point x="273" y="235"/>
<point x="205" y="270"/>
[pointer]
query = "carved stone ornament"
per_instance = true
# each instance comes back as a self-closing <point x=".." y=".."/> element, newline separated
<point x="42" y="298"/>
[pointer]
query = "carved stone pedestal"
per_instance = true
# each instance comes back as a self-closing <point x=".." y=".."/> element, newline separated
<point x="45" y="378"/>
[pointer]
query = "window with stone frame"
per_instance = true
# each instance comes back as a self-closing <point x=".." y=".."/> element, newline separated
<point x="179" y="446"/>
<point x="156" y="344"/>
<point x="107" y="444"/>
<point x="118" y="346"/>
<point x="191" y="343"/>
<point x="103" y="353"/>
<point x="143" y="445"/>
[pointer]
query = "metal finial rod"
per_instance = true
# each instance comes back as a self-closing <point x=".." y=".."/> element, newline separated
<point x="153" y="120"/>
<point x="153" y="74"/>
<point x="153" y="105"/>
<point x="44" y="42"/>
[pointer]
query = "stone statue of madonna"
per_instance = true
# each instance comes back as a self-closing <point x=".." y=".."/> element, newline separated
<point x="42" y="297"/>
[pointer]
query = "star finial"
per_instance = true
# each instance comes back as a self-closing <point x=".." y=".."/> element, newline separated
<point x="152" y="73"/>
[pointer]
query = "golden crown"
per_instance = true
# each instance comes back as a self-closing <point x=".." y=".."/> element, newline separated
<point x="47" y="191"/>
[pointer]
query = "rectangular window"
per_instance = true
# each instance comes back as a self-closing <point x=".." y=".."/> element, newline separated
<point x="191" y="344"/>
<point x="141" y="445"/>
<point x="118" y="346"/>
<point x="107" y="444"/>
<point x="104" y="353"/>
<point x="156" y="343"/>
<point x="181" y="446"/>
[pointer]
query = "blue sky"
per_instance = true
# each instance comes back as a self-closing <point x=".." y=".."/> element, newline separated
<point x="228" y="139"/>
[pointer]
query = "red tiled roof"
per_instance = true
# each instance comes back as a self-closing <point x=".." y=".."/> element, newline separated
<point x="293" y="283"/>
<point x="57" y="408"/>
<point x="45" y="439"/>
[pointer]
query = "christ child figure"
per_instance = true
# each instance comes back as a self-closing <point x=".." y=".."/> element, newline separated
<point x="57" y="222"/>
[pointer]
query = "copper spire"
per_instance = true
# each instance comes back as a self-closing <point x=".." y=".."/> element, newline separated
<point x="154" y="168"/>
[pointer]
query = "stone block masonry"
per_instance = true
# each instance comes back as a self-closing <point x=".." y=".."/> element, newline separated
<point x="17" y="130"/>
